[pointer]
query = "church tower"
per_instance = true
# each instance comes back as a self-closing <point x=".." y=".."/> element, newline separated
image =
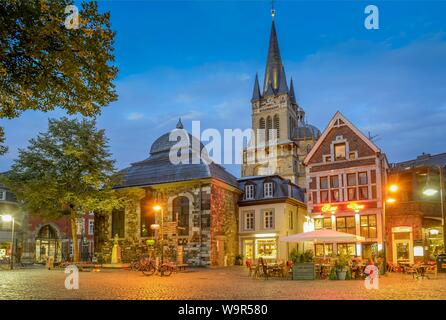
<point x="274" y="107"/>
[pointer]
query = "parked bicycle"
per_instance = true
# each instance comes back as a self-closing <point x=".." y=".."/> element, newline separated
<point x="149" y="267"/>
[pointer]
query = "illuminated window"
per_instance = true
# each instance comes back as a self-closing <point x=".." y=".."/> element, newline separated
<point x="347" y="249"/>
<point x="346" y="224"/>
<point x="339" y="151"/>
<point x="266" y="248"/>
<point x="352" y="155"/>
<point x="368" y="226"/>
<point x="249" y="220"/>
<point x="334" y="181"/>
<point x="319" y="249"/>
<point x="335" y="195"/>
<point x="327" y="158"/>
<point x="322" y="223"/>
<point x="80" y="226"/>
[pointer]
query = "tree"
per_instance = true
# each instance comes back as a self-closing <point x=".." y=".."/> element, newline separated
<point x="3" y="149"/>
<point x="45" y="65"/>
<point x="66" y="171"/>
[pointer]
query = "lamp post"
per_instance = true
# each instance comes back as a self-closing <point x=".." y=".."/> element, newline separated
<point x="158" y="208"/>
<point x="9" y="218"/>
<point x="429" y="191"/>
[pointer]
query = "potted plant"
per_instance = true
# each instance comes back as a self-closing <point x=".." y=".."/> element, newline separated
<point x="341" y="266"/>
<point x="303" y="266"/>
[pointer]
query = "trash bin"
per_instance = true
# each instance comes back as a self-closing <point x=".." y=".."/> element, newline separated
<point x="441" y="262"/>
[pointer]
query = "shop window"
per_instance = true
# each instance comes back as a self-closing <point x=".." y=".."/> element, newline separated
<point x="362" y="178"/>
<point x="320" y="248"/>
<point x="346" y="224"/>
<point x="266" y="248"/>
<point x="323" y="183"/>
<point x="339" y="151"/>
<point x="351" y="194"/>
<point x="334" y="181"/>
<point x="368" y="226"/>
<point x="322" y="223"/>
<point x="249" y="220"/>
<point x="118" y="223"/>
<point x="351" y="179"/>
<point x="363" y="193"/>
<point x="347" y="249"/>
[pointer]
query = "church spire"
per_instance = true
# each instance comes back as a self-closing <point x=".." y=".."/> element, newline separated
<point x="292" y="94"/>
<point x="256" y="92"/>
<point x="274" y="72"/>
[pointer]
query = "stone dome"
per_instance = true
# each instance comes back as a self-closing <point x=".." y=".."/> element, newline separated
<point x="307" y="131"/>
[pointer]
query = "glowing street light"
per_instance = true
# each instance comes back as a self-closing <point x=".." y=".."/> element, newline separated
<point x="430" y="192"/>
<point x="393" y="188"/>
<point x="391" y="200"/>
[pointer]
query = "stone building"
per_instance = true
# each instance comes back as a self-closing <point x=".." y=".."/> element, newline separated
<point x="414" y="227"/>
<point x="346" y="174"/>
<point x="9" y="206"/>
<point x="271" y="207"/>
<point x="198" y="204"/>
<point x="275" y="110"/>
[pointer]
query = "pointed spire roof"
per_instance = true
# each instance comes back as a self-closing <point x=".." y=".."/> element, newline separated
<point x="256" y="92"/>
<point x="292" y="94"/>
<point x="180" y="124"/>
<point x="274" y="72"/>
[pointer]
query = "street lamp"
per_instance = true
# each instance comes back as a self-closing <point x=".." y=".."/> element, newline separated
<point x="10" y="218"/>
<point x="158" y="208"/>
<point x="430" y="191"/>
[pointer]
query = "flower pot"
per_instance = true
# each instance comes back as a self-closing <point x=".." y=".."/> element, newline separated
<point x="341" y="273"/>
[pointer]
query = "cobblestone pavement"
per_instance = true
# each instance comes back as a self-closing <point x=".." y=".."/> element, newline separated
<point x="212" y="283"/>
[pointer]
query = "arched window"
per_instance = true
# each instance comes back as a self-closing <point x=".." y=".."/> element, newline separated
<point x="277" y="125"/>
<point x="262" y="123"/>
<point x="181" y="211"/>
<point x="269" y="126"/>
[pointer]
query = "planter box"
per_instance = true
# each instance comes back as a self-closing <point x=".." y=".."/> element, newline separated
<point x="303" y="271"/>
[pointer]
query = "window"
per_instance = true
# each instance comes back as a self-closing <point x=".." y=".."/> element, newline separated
<point x="268" y="219"/>
<point x="368" y="226"/>
<point x="322" y="223"/>
<point x="262" y="123"/>
<point x="327" y="158"/>
<point x="363" y="193"/>
<point x="335" y="195"/>
<point x="351" y="179"/>
<point x="266" y="248"/>
<point x="147" y="217"/>
<point x="352" y="155"/>
<point x="118" y="223"/>
<point x="334" y="181"/>
<point x="249" y="192"/>
<point x="80" y="226"/>
<point x="2" y="195"/>
<point x="362" y="178"/>
<point x="324" y="196"/>
<point x="351" y="194"/>
<point x="90" y="227"/>
<point x="291" y="220"/>
<point x="277" y="125"/>
<point x="180" y="211"/>
<point x="346" y="224"/>
<point x="268" y="189"/>
<point x="347" y="248"/>
<point x="319" y="249"/>
<point x="339" y="151"/>
<point x="249" y="220"/>
<point x="323" y="182"/>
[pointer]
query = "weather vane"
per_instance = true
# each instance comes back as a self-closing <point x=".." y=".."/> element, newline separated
<point x="273" y="12"/>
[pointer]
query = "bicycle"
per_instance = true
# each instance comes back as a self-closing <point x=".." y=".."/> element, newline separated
<point x="150" y="267"/>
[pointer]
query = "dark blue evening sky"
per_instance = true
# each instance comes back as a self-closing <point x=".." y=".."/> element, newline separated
<point x="198" y="59"/>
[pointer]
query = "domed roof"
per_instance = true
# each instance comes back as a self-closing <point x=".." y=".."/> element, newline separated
<point x="307" y="131"/>
<point x="164" y="143"/>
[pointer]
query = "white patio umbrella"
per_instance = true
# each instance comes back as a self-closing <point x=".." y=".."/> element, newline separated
<point x="322" y="236"/>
